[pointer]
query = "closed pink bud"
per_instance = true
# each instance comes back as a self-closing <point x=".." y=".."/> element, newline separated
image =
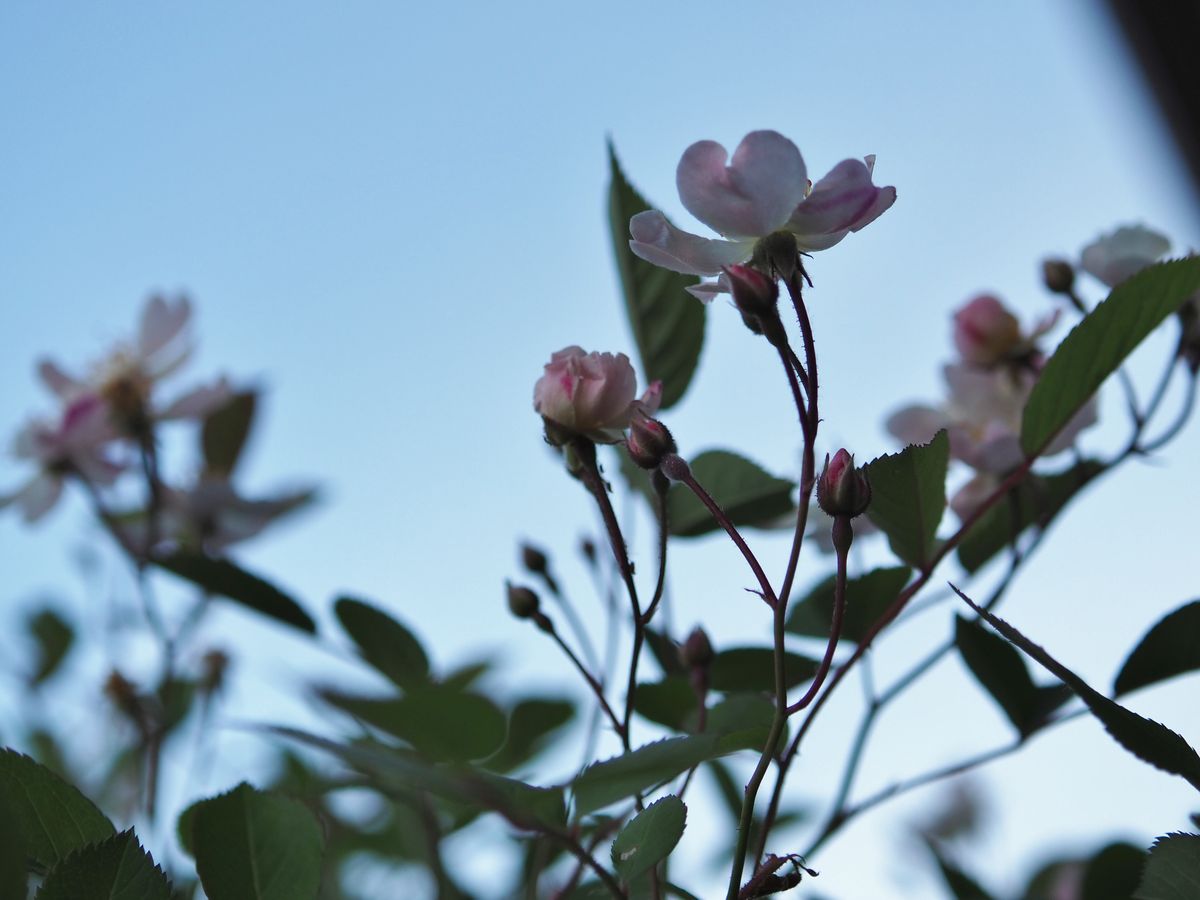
<point x="754" y="293"/>
<point x="843" y="490"/>
<point x="696" y="652"/>
<point x="985" y="332"/>
<point x="648" y="441"/>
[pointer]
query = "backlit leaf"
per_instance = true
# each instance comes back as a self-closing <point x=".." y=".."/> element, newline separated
<point x="748" y="494"/>
<point x="908" y="497"/>
<point x="1098" y="345"/>
<point x="667" y="322"/>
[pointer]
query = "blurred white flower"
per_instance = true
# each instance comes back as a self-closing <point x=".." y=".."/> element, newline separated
<point x="1114" y="257"/>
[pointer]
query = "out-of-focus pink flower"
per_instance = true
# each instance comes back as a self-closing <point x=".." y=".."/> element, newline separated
<point x="592" y="394"/>
<point x="75" y="444"/>
<point x="1114" y="257"/>
<point x="763" y="189"/>
<point x="982" y="417"/>
<point x="987" y="334"/>
<point x="211" y="515"/>
<point x="971" y="495"/>
<point x="126" y="377"/>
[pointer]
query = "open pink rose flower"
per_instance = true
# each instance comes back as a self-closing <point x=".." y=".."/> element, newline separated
<point x="127" y="376"/>
<point x="763" y="189"/>
<point x="982" y="417"/>
<point x="76" y="444"/>
<point x="1112" y="258"/>
<point x="592" y="394"/>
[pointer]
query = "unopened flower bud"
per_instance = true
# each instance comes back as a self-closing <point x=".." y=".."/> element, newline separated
<point x="843" y="490"/>
<point x="214" y="666"/>
<point x="696" y="652"/>
<point x="754" y="293"/>
<point x="587" y="547"/>
<point x="522" y="602"/>
<point x="542" y="621"/>
<point x="1058" y="275"/>
<point x="533" y="559"/>
<point x="648" y="442"/>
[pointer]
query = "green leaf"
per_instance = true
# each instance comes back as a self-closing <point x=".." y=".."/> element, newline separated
<point x="1113" y="873"/>
<point x="530" y="723"/>
<point x="53" y="636"/>
<point x="667" y="322"/>
<point x="742" y="722"/>
<point x="748" y="494"/>
<point x="1146" y="739"/>
<point x="223" y="578"/>
<point x="49" y="816"/>
<point x="1001" y="670"/>
<point x="867" y="598"/>
<point x="114" y="869"/>
<point x="606" y="782"/>
<point x="665" y="652"/>
<point x="1098" y="345"/>
<point x="671" y="703"/>
<point x="1173" y="870"/>
<point x="908" y="497"/>
<point x="1170" y="648"/>
<point x="14" y="880"/>
<point x="649" y="837"/>
<point x="383" y="642"/>
<point x="223" y="435"/>
<point x="441" y="723"/>
<point x="753" y="669"/>
<point x="254" y="845"/>
<point x="524" y="805"/>
<point x="1033" y="503"/>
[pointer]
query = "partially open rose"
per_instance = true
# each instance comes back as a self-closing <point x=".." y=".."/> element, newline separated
<point x="592" y="394"/>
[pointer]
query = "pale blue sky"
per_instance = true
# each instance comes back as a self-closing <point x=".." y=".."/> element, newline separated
<point x="390" y="214"/>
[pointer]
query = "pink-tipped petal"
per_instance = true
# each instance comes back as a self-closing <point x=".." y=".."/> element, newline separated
<point x="753" y="195"/>
<point x="657" y="241"/>
<point x="844" y="200"/>
<point x="652" y="399"/>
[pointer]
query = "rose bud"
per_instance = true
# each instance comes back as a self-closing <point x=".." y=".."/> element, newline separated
<point x="696" y="652"/>
<point x="842" y="490"/>
<point x="1058" y="276"/>
<point x="648" y="441"/>
<point x="754" y="293"/>
<point x="522" y="602"/>
<point x="533" y="559"/>
<point x="985" y="332"/>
